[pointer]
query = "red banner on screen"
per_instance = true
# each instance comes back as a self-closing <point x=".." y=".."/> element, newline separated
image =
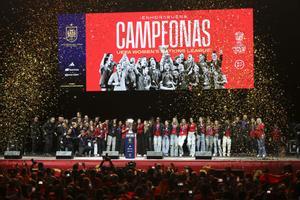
<point x="137" y="34"/>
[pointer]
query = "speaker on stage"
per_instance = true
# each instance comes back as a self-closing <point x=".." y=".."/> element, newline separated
<point x="111" y="154"/>
<point x="12" y="155"/>
<point x="64" y="155"/>
<point x="154" y="155"/>
<point x="203" y="155"/>
<point x="292" y="146"/>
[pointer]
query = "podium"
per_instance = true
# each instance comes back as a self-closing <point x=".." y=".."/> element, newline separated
<point x="130" y="146"/>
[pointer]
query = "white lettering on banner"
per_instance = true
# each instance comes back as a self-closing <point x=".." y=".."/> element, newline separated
<point x="151" y="34"/>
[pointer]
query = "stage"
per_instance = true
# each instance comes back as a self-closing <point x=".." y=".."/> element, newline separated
<point x="247" y="164"/>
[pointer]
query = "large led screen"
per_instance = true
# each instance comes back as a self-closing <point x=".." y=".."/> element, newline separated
<point x="165" y="50"/>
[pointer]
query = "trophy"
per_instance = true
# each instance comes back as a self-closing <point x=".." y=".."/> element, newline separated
<point x="130" y="124"/>
<point x="164" y="49"/>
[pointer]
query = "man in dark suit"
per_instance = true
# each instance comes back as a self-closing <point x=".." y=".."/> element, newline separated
<point x="49" y="132"/>
<point x="36" y="135"/>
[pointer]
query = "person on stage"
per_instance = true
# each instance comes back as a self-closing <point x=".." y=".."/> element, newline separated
<point x="149" y="133"/>
<point x="252" y="137"/>
<point x="75" y="133"/>
<point x="36" y="135"/>
<point x="236" y="136"/>
<point x="147" y="136"/>
<point x="63" y="133"/>
<point x="191" y="138"/>
<point x="91" y="132"/>
<point x="217" y="138"/>
<point x="140" y="138"/>
<point x="60" y="131"/>
<point x="244" y="138"/>
<point x="85" y="143"/>
<point x="68" y="141"/>
<point x="260" y="134"/>
<point x="297" y="137"/>
<point x="85" y="119"/>
<point x="100" y="135"/>
<point x="227" y="139"/>
<point x="166" y="139"/>
<point x="200" y="137"/>
<point x="112" y="136"/>
<point x="106" y="70"/>
<point x="182" y="136"/>
<point x="119" y="137"/>
<point x="276" y="137"/>
<point x="49" y="132"/>
<point x="157" y="135"/>
<point x="125" y="130"/>
<point x="78" y="117"/>
<point x="209" y="135"/>
<point x="174" y="138"/>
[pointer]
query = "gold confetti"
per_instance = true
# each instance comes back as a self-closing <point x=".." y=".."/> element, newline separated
<point x="30" y="82"/>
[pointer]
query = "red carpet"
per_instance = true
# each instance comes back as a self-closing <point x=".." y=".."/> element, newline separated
<point x="246" y="164"/>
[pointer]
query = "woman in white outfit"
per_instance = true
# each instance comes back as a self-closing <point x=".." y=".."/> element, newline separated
<point x="174" y="138"/>
<point x="182" y="136"/>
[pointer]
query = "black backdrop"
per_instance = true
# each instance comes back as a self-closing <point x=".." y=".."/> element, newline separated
<point x="276" y="18"/>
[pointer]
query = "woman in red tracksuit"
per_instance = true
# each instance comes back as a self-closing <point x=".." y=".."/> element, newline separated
<point x="217" y="138"/>
<point x="100" y="136"/>
<point x="260" y="134"/>
<point x="174" y="138"/>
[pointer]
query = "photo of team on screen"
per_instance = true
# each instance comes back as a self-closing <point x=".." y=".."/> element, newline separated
<point x="182" y="73"/>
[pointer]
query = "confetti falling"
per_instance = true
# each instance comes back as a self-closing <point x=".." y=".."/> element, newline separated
<point x="31" y="85"/>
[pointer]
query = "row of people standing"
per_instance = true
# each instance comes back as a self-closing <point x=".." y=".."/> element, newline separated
<point x="86" y="136"/>
<point x="207" y="135"/>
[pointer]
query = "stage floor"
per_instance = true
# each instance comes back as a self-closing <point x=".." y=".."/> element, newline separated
<point x="248" y="164"/>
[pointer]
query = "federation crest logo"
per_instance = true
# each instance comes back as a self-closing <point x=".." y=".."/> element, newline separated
<point x="71" y="33"/>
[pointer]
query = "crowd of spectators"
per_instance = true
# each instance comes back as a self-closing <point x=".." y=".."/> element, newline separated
<point x="106" y="181"/>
